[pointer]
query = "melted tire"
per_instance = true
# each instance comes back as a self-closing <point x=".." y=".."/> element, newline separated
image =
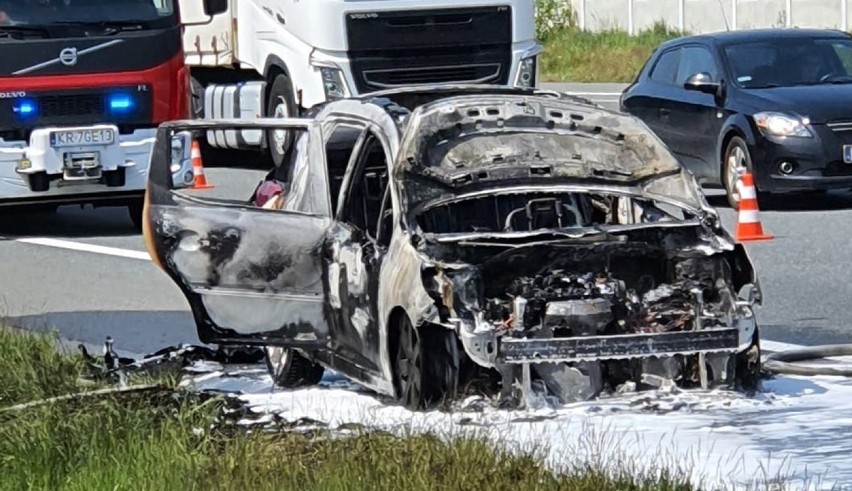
<point x="297" y="371"/>
<point x="426" y="365"/>
<point x="747" y="366"/>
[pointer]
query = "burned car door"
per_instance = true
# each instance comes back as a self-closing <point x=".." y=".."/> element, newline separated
<point x="252" y="275"/>
<point x="357" y="253"/>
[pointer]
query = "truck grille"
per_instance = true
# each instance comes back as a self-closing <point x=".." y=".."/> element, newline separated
<point x="394" y="77"/>
<point x="71" y="105"/>
<point x="452" y="45"/>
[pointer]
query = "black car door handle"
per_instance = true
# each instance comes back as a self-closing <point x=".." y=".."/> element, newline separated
<point x="664" y="111"/>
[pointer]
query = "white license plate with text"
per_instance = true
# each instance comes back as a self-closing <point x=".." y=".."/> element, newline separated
<point x="73" y="138"/>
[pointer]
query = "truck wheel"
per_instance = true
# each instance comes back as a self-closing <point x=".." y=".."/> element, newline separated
<point x="280" y="105"/>
<point x="136" y="209"/>
<point x="289" y="369"/>
<point x="115" y="178"/>
<point x="39" y="182"/>
<point x="426" y="365"/>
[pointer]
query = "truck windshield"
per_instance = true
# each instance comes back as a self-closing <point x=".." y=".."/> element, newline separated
<point x="142" y="14"/>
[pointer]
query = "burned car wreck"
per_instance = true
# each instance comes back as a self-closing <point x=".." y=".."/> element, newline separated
<point x="427" y="236"/>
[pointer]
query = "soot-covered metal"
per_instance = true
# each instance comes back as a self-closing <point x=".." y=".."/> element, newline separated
<point x="533" y="239"/>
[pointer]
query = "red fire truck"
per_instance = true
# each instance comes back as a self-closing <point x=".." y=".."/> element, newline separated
<point x="83" y="86"/>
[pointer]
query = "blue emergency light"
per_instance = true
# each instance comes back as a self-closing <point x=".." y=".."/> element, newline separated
<point x="121" y="103"/>
<point x="24" y="108"/>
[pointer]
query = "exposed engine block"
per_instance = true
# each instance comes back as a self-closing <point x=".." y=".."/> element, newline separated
<point x="568" y="304"/>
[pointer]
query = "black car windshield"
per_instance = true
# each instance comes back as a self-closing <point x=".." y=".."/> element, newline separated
<point x="789" y="62"/>
<point x="49" y="13"/>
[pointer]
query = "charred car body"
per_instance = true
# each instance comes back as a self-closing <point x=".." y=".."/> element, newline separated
<point x="523" y="233"/>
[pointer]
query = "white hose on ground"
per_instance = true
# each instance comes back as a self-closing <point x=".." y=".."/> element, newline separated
<point x="783" y="362"/>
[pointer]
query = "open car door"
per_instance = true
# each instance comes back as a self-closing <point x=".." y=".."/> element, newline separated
<point x="252" y="276"/>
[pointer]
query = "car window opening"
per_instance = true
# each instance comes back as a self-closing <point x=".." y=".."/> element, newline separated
<point x="338" y="150"/>
<point x="367" y="189"/>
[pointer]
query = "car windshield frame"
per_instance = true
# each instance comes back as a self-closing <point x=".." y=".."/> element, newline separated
<point x="92" y="13"/>
<point x="781" y="52"/>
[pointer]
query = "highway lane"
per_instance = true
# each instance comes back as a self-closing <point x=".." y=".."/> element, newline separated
<point x="85" y="272"/>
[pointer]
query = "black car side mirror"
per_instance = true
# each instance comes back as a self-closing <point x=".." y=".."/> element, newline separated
<point x="702" y="82"/>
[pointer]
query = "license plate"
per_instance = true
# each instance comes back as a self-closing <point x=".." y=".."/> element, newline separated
<point x="73" y="138"/>
<point x="847" y="154"/>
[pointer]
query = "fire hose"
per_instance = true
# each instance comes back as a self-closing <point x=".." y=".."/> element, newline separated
<point x="784" y="362"/>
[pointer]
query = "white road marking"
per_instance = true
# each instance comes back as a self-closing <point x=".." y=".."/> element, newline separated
<point x="79" y="246"/>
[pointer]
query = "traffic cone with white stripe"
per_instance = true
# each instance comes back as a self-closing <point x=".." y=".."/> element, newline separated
<point x="749" y="227"/>
<point x="198" y="168"/>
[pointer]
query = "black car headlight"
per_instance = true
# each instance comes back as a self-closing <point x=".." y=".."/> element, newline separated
<point x="780" y="124"/>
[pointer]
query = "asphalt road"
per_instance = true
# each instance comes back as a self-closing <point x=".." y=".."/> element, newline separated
<point x="86" y="273"/>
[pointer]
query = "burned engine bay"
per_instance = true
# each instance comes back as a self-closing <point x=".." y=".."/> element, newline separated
<point x="530" y="270"/>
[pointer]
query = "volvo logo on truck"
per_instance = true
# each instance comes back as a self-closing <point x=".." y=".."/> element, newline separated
<point x="68" y="56"/>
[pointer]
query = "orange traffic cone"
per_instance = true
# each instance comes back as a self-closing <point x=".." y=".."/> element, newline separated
<point x="748" y="218"/>
<point x="198" y="168"/>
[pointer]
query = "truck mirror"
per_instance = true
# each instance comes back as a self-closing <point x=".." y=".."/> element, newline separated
<point x="215" y="7"/>
<point x="180" y="162"/>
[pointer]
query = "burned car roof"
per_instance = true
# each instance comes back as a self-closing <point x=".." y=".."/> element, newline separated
<point x="474" y="141"/>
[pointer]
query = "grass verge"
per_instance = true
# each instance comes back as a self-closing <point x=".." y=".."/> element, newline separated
<point x="160" y="438"/>
<point x="573" y="55"/>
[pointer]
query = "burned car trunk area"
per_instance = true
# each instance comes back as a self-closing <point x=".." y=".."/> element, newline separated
<point x="553" y="263"/>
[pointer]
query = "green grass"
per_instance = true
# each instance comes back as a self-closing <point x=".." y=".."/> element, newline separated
<point x="572" y="55"/>
<point x="31" y="368"/>
<point x="160" y="439"/>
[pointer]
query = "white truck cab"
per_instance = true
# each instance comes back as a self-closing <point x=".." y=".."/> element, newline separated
<point x="281" y="57"/>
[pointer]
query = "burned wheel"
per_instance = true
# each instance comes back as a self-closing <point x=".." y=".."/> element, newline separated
<point x="426" y="365"/>
<point x="290" y="369"/>
<point x="748" y="366"/>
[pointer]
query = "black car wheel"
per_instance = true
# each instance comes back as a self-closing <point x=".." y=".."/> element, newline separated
<point x="737" y="160"/>
<point x="290" y="369"/>
<point x="426" y="365"/>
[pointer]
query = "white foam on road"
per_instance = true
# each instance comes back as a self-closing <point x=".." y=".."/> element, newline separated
<point x="83" y="247"/>
<point x="795" y="427"/>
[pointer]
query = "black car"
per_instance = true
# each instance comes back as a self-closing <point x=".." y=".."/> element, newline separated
<point x="775" y="101"/>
